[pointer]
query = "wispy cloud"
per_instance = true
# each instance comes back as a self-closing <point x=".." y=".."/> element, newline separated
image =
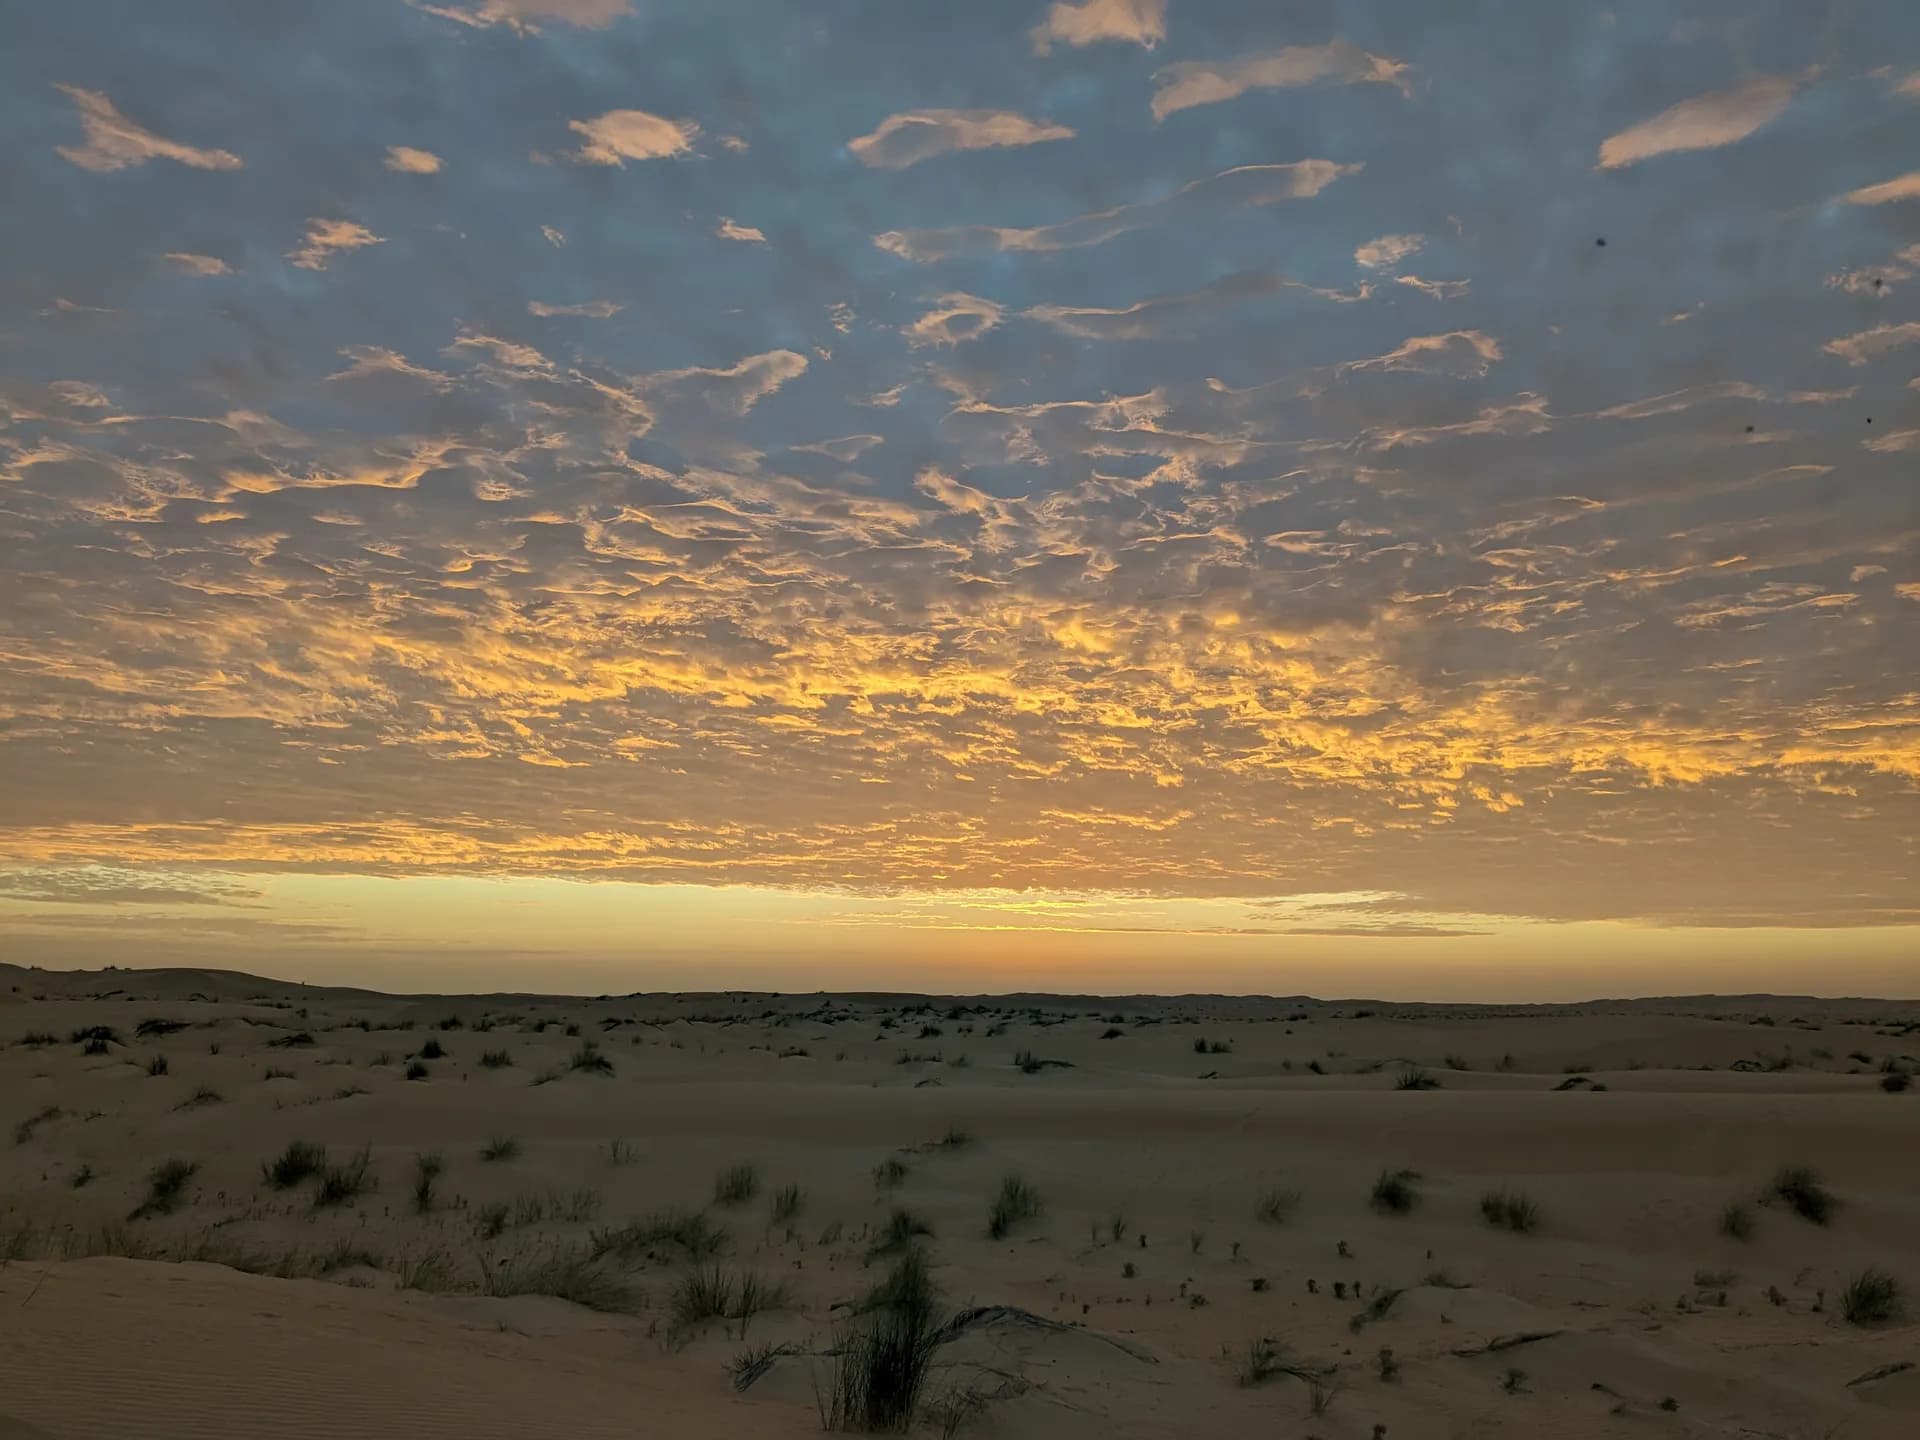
<point x="1135" y="22"/>
<point x="915" y="135"/>
<point x="1705" y="122"/>
<point x="1435" y="289"/>
<point x="955" y="318"/>
<point x="409" y="161"/>
<point x="592" y="309"/>
<point x="622" y="135"/>
<point x="1460" y="353"/>
<point x="1859" y="348"/>
<point x="1248" y="185"/>
<point x="1188" y="83"/>
<point x="203" y="265"/>
<point x="527" y="16"/>
<point x="325" y="237"/>
<point x="730" y="229"/>
<point x="1905" y="187"/>
<point x="1894" y="442"/>
<point x="114" y="142"/>
<point x="1388" y="251"/>
<point x="737" y="388"/>
<point x="1164" y="314"/>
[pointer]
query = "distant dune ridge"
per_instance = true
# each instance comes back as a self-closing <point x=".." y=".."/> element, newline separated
<point x="233" y="1206"/>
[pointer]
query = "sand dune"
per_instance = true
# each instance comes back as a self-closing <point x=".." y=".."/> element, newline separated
<point x="1138" y="1300"/>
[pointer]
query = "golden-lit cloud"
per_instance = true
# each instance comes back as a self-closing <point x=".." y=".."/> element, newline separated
<point x="1388" y="251"/>
<point x="1706" y="122"/>
<point x="1458" y="353"/>
<point x="325" y="237"/>
<point x="114" y="142"/>
<point x="205" y="266"/>
<point x="1904" y="187"/>
<point x="915" y="135"/>
<point x="527" y="16"/>
<point x="1865" y="345"/>
<point x="730" y="229"/>
<point x="1192" y="203"/>
<point x="1189" y="83"/>
<point x="591" y="309"/>
<point x="409" y="161"/>
<point x="1089" y="22"/>
<point x="622" y="135"/>
<point x="954" y="318"/>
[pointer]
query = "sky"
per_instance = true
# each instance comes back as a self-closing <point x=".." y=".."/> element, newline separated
<point x="1407" y="499"/>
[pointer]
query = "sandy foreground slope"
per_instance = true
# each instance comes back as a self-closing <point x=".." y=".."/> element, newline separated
<point x="1128" y="1307"/>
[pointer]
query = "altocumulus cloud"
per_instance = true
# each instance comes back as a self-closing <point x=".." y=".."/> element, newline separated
<point x="1188" y="83"/>
<point x="622" y="135"/>
<point x="1705" y="122"/>
<point x="114" y="142"/>
<point x="916" y="135"/>
<point x="1136" y="22"/>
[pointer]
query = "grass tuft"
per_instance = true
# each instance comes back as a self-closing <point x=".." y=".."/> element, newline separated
<point x="1872" y="1297"/>
<point x="166" y="1186"/>
<point x="299" y="1161"/>
<point x="1798" y="1187"/>
<point x="1017" y="1201"/>
<point x="500" y="1147"/>
<point x="736" y="1185"/>
<point x="344" y="1182"/>
<point x="1509" y="1210"/>
<point x="1394" y="1193"/>
<point x="1276" y="1207"/>
<point x="880" y="1362"/>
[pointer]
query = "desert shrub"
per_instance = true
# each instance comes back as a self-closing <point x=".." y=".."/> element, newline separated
<point x="567" y="1273"/>
<point x="889" y="1174"/>
<point x="1112" y="1032"/>
<point x="23" y="1132"/>
<point x="589" y="1059"/>
<point x="1736" y="1220"/>
<point x="297" y="1162"/>
<point x="1017" y="1201"/>
<point x="954" y="1139"/>
<point x="202" y="1095"/>
<point x="736" y="1185"/>
<point x="166" y="1186"/>
<point x="157" y="1065"/>
<point x="1895" y="1081"/>
<point x="432" y="1050"/>
<point x="880" y="1361"/>
<point x="1799" y="1189"/>
<point x="155" y="1026"/>
<point x="1276" y="1207"/>
<point x="687" y="1230"/>
<point x="1509" y="1210"/>
<point x="346" y="1181"/>
<point x="901" y="1229"/>
<point x="427" y="1170"/>
<point x="417" y="1070"/>
<point x="1028" y="1063"/>
<point x="1394" y="1193"/>
<point x="1872" y="1297"/>
<point x="785" y="1204"/>
<point x="500" y="1147"/>
<point x="496" y="1059"/>
<point x="1414" y="1078"/>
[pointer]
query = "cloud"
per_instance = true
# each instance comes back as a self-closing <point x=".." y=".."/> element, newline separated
<point x="592" y="309"/>
<point x="555" y="237"/>
<point x="1163" y="314"/>
<point x="525" y="16"/>
<point x="1187" y="83"/>
<point x="1244" y="186"/>
<point x="1894" y="442"/>
<point x="738" y="387"/>
<point x="203" y="265"/>
<point x="1388" y="251"/>
<point x="114" y="142"/>
<point x="1435" y="289"/>
<point x="622" y="135"/>
<point x="956" y="317"/>
<point x="915" y="135"/>
<point x="1906" y="187"/>
<point x="323" y="237"/>
<point x="1136" y="22"/>
<point x="1459" y="353"/>
<point x="729" y="230"/>
<point x="409" y="161"/>
<point x="1859" y="348"/>
<point x="1705" y="122"/>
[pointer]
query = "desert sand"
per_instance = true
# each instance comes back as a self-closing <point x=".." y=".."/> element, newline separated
<point x="1208" y="1254"/>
